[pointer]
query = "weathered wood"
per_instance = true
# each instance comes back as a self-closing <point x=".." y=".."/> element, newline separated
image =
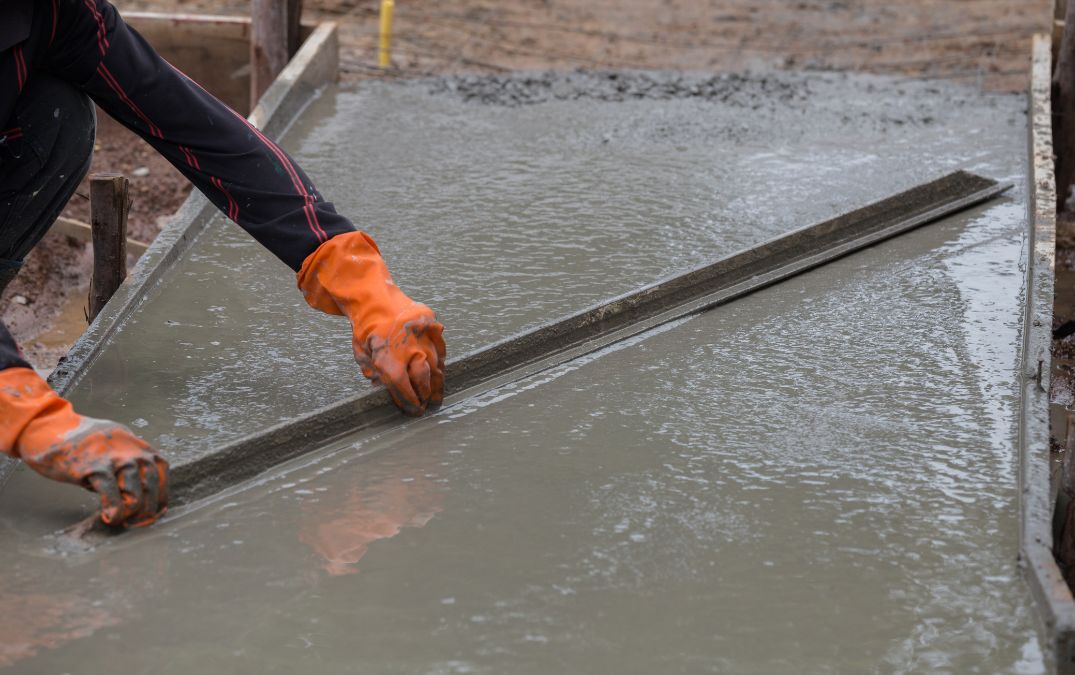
<point x="1064" y="110"/>
<point x="108" y="222"/>
<point x="214" y="50"/>
<point x="294" y="26"/>
<point x="1052" y="597"/>
<point x="83" y="232"/>
<point x="268" y="44"/>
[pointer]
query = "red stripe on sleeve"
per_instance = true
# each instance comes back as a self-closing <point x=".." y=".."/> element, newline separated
<point x="55" y="18"/>
<point x="114" y="85"/>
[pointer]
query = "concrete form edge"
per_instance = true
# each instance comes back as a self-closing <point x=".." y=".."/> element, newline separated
<point x="1052" y="597"/>
<point x="315" y="65"/>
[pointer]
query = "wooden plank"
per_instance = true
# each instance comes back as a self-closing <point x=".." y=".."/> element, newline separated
<point x="109" y="203"/>
<point x="215" y="51"/>
<point x="1053" y="599"/>
<point x="80" y="231"/>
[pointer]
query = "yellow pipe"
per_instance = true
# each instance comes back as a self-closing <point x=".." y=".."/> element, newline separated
<point x="387" y="7"/>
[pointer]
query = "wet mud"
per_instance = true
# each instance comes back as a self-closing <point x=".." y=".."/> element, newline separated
<point x="819" y="477"/>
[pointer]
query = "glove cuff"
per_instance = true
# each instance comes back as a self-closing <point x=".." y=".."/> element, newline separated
<point x="322" y="269"/>
<point x="347" y="276"/>
<point x="27" y="400"/>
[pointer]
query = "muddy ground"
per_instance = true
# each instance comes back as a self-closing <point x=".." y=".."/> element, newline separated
<point x="981" y="42"/>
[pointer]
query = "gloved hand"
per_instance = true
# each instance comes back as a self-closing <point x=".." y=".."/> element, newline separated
<point x="396" y="340"/>
<point x="41" y="429"/>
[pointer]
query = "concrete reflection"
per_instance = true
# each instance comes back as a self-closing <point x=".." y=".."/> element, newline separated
<point x="341" y="530"/>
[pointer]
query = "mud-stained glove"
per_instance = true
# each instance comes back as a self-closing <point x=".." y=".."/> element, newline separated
<point x="42" y="429"/>
<point x="397" y="341"/>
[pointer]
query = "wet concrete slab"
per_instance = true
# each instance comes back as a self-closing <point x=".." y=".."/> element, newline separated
<point x="503" y="217"/>
<point x="819" y="477"/>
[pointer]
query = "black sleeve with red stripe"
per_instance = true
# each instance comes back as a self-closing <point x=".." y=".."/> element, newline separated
<point x="242" y="172"/>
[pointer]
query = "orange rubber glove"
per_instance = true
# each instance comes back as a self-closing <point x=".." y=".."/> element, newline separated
<point x="397" y="341"/>
<point x="41" y="429"/>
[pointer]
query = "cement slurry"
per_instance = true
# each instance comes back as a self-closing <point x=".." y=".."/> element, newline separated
<point x="502" y="218"/>
<point x="817" y="478"/>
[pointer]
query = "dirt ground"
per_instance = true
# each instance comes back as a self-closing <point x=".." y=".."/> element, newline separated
<point x="985" y="43"/>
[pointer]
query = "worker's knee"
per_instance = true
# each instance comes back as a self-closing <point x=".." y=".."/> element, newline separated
<point x="46" y="154"/>
<point x="57" y="124"/>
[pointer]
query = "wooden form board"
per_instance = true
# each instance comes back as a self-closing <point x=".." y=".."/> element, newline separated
<point x="1051" y="594"/>
<point x="214" y="50"/>
<point x="1060" y="8"/>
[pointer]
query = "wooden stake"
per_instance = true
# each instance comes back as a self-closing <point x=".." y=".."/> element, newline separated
<point x="1064" y="110"/>
<point x="384" y="53"/>
<point x="294" y="26"/>
<point x="268" y="44"/>
<point x="108" y="220"/>
<point x="274" y="38"/>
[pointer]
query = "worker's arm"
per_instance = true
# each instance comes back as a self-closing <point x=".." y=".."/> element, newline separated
<point x="244" y="174"/>
<point x="41" y="429"/>
<point x="260" y="187"/>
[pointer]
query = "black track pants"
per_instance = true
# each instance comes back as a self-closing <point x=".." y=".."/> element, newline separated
<point x="39" y="174"/>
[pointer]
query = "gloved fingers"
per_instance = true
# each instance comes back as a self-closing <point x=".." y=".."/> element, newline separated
<point x="428" y="339"/>
<point x="436" y="388"/>
<point x="162" y="491"/>
<point x="131" y="491"/>
<point x="418" y="370"/>
<point x="398" y="383"/>
<point x="365" y="362"/>
<point x="436" y="336"/>
<point x="435" y="361"/>
<point x="151" y="486"/>
<point x="404" y="397"/>
<point x="154" y="483"/>
<point x="104" y="484"/>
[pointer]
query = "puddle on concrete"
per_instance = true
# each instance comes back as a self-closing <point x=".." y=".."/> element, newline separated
<point x="818" y="478"/>
<point x="502" y="218"/>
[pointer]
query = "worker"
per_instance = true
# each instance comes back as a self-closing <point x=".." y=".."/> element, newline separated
<point x="56" y="56"/>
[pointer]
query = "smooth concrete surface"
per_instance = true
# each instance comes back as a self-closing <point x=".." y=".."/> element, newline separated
<point x="502" y="218"/>
<point x="613" y="320"/>
<point x="817" y="478"/>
